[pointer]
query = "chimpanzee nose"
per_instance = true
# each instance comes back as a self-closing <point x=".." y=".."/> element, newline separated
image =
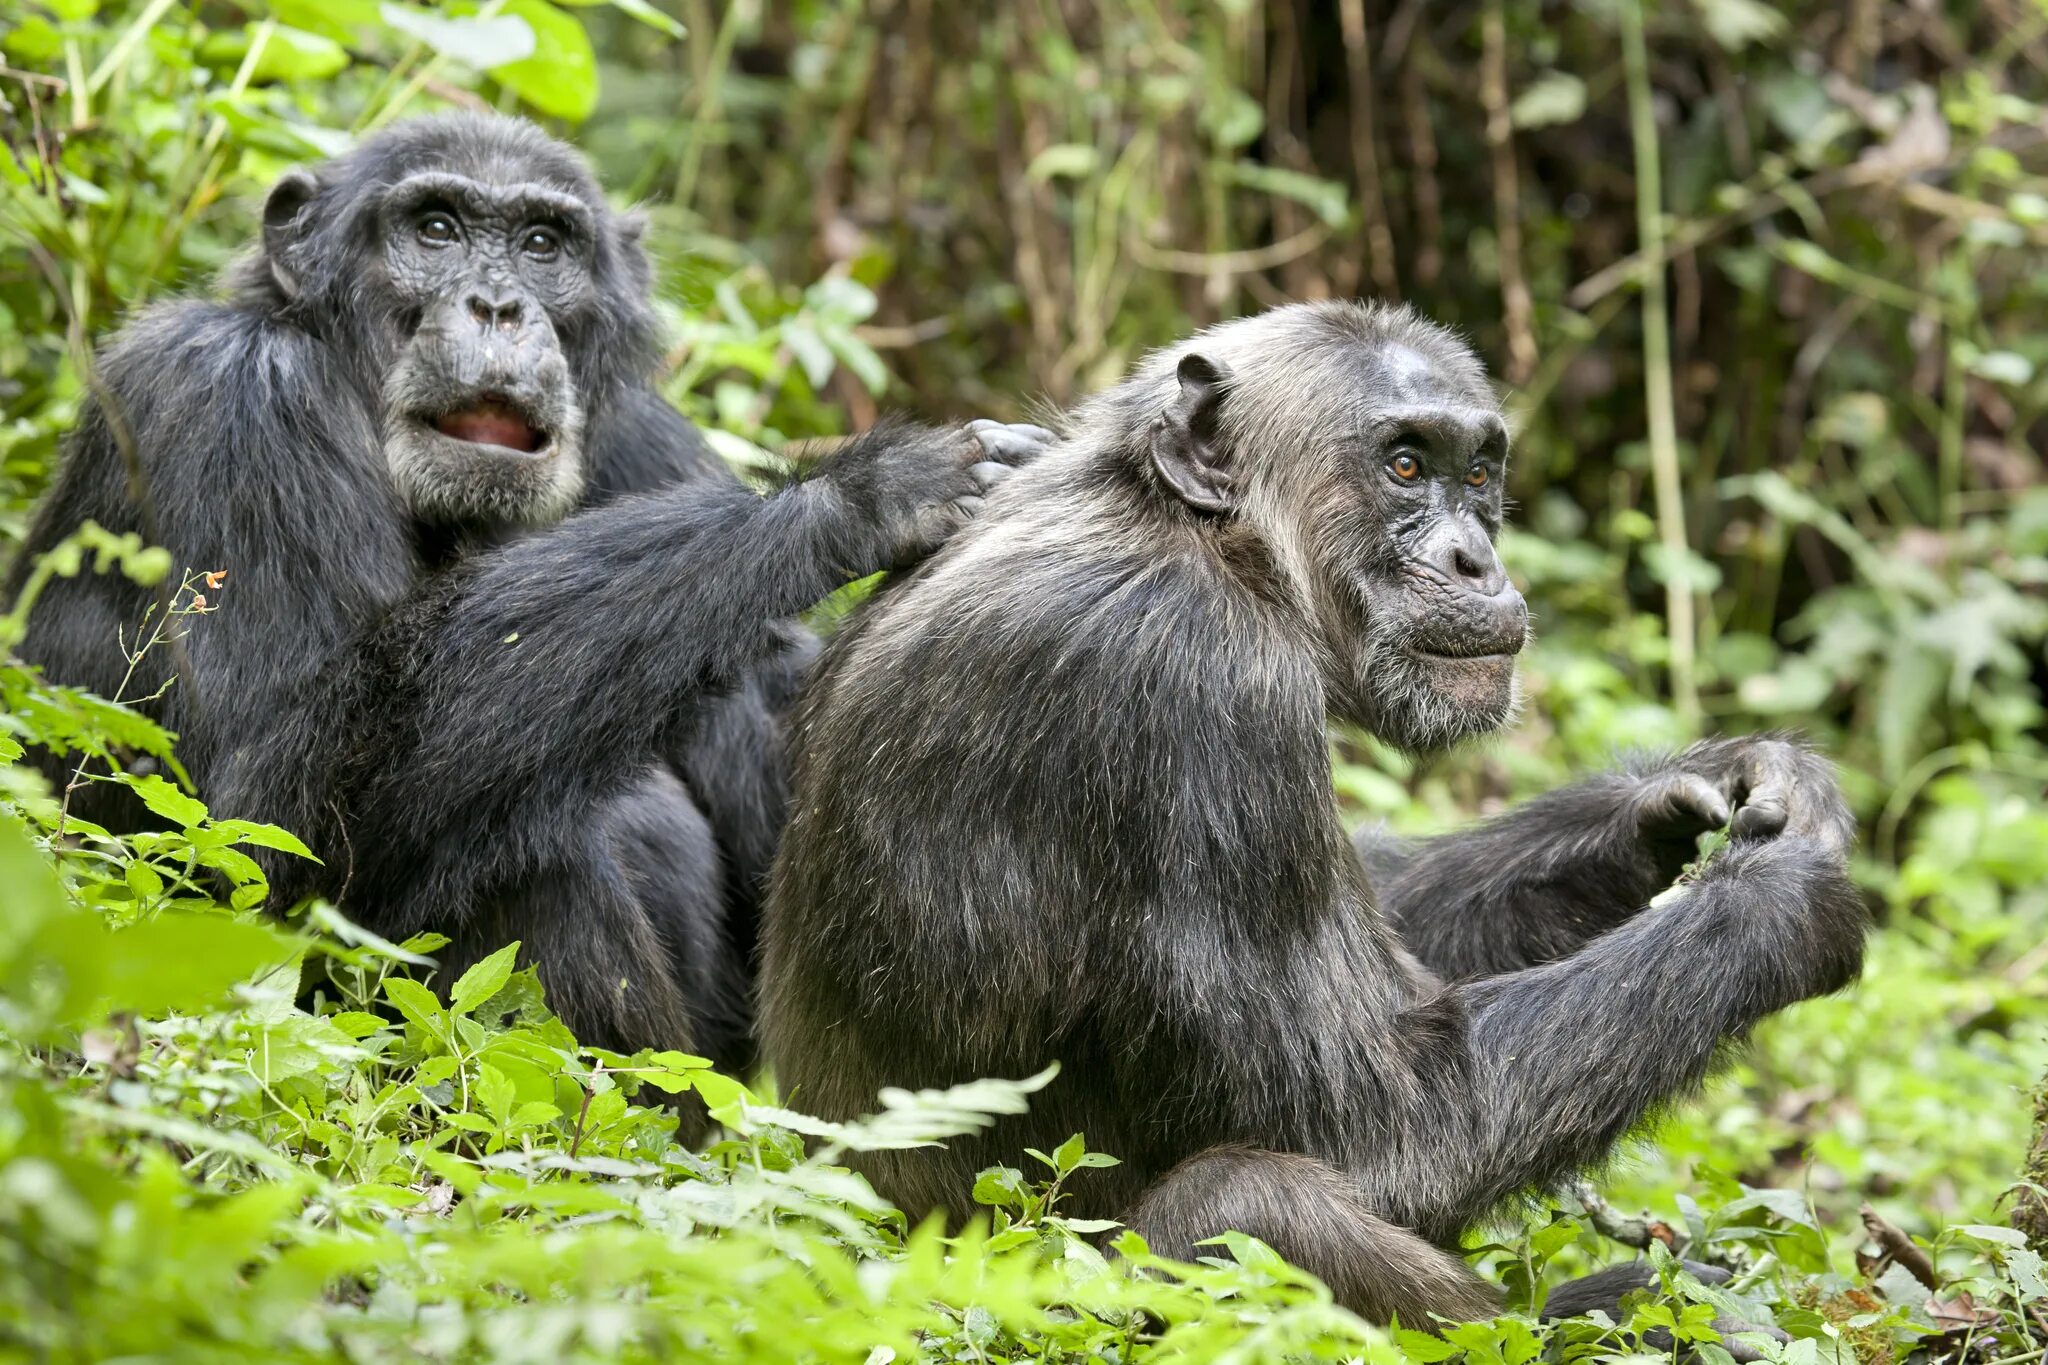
<point x="504" y="314"/>
<point x="1472" y="564"/>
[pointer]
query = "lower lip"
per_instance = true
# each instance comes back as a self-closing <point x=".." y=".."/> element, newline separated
<point x="541" y="451"/>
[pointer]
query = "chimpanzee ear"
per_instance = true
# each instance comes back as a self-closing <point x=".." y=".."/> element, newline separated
<point x="1185" y="449"/>
<point x="284" y="224"/>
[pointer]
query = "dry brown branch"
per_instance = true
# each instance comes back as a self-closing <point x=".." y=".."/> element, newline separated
<point x="1615" y="1227"/>
<point x="1898" y="1248"/>
<point x="1241" y="262"/>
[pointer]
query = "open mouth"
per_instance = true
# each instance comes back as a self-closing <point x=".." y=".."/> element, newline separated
<point x="492" y="420"/>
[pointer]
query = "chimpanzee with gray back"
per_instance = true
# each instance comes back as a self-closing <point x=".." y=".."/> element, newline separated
<point x="502" y="639"/>
<point x="1064" y="794"/>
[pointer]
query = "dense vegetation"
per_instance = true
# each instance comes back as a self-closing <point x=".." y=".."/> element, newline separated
<point x="1766" y="280"/>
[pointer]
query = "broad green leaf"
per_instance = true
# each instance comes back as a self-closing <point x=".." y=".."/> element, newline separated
<point x="483" y="980"/>
<point x="560" y="77"/>
<point x="181" y="961"/>
<point x="1735" y="24"/>
<point x="293" y="54"/>
<point x="416" y="1003"/>
<point x="264" y="836"/>
<point x="495" y="1092"/>
<point x="166" y="800"/>
<point x="475" y="42"/>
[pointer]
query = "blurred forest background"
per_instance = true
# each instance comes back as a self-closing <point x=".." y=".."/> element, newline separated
<point x="1764" y="283"/>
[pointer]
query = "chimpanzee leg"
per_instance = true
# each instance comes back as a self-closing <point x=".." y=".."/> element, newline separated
<point x="669" y="849"/>
<point x="1311" y="1214"/>
<point x="604" y="959"/>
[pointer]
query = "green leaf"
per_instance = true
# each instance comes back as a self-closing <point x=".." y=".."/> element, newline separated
<point x="1735" y="24"/>
<point x="495" y="1092"/>
<point x="1327" y="199"/>
<point x="264" y="836"/>
<point x="475" y="42"/>
<point x="1422" y="1347"/>
<point x="416" y="1003"/>
<point x="1553" y="97"/>
<point x="1069" y="1153"/>
<point x="166" y="800"/>
<point x="1065" y="160"/>
<point x="560" y="77"/>
<point x="1000" y="1187"/>
<point x="293" y="54"/>
<point x="484" y="980"/>
<point x="183" y="961"/>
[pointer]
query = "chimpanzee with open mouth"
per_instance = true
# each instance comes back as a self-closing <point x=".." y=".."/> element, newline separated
<point x="505" y="642"/>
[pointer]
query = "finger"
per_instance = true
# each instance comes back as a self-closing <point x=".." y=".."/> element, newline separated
<point x="1692" y="796"/>
<point x="1010" y="444"/>
<point x="987" y="474"/>
<point x="966" y="508"/>
<point x="1763" y="815"/>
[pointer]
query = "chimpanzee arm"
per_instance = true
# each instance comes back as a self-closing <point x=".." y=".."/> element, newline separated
<point x="511" y="693"/>
<point x="734" y="762"/>
<point x="1544" y="1070"/>
<point x="1535" y="884"/>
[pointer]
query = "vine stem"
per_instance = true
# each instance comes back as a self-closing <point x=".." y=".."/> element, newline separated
<point x="1657" y="391"/>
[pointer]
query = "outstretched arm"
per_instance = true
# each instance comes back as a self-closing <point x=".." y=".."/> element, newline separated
<point x="526" y="683"/>
<point x="1539" y="882"/>
<point x="1553" y="1065"/>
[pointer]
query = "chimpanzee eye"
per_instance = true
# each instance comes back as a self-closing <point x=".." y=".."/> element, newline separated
<point x="541" y="243"/>
<point x="1405" y="466"/>
<point x="437" y="229"/>
<point x="1476" y="476"/>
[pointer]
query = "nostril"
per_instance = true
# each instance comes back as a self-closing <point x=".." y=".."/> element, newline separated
<point x="509" y="314"/>
<point x="1465" y="566"/>
<point x="480" y="310"/>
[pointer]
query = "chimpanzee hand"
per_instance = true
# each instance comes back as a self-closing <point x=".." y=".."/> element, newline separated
<point x="1773" y="786"/>
<point x="916" y="489"/>
<point x="1757" y="787"/>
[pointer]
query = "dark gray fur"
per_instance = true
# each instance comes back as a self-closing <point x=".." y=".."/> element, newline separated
<point x="1064" y="794"/>
<point x="503" y="694"/>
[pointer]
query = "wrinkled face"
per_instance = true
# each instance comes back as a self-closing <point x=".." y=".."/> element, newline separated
<point x="1426" y="625"/>
<point x="482" y="422"/>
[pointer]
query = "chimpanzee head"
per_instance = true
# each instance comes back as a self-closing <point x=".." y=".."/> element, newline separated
<point x="469" y="274"/>
<point x="1362" y="451"/>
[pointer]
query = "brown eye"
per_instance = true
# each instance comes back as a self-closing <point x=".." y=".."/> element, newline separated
<point x="541" y="243"/>
<point x="436" y="229"/>
<point x="1476" y="476"/>
<point x="1405" y="466"/>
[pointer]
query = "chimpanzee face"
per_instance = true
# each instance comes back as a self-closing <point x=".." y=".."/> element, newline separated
<point x="482" y="288"/>
<point x="1370" y="464"/>
<point x="481" y="416"/>
<point x="1432" y="623"/>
